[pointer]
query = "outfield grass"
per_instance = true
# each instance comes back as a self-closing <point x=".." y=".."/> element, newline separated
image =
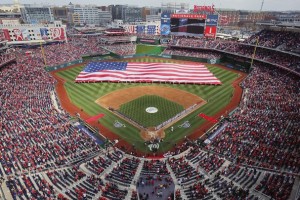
<point x="83" y="95"/>
<point x="149" y="49"/>
<point x="136" y="110"/>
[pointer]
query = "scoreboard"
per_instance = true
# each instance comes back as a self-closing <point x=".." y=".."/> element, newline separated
<point x="186" y="26"/>
<point x="194" y="25"/>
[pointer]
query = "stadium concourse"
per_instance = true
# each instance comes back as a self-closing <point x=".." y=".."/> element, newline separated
<point x="254" y="156"/>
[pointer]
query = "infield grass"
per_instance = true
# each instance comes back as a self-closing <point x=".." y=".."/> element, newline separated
<point x="84" y="95"/>
<point x="136" y="110"/>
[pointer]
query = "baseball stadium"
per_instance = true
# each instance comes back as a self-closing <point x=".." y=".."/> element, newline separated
<point x="169" y="111"/>
<point x="123" y="106"/>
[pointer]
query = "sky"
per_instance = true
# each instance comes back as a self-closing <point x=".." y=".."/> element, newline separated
<point x="274" y="5"/>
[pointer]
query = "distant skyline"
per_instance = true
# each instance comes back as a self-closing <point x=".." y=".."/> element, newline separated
<point x="269" y="5"/>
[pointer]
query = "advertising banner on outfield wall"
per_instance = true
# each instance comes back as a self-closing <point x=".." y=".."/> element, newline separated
<point x="212" y="20"/>
<point x="6" y="34"/>
<point x="26" y="34"/>
<point x="44" y="33"/>
<point x="188" y="16"/>
<point x="18" y="34"/>
<point x="151" y="30"/>
<point x="210" y="31"/>
<point x="165" y="24"/>
<point x="140" y="29"/>
<point x="210" y="9"/>
<point x="57" y="33"/>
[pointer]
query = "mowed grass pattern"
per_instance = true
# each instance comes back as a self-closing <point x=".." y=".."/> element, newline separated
<point x="83" y="95"/>
<point x="136" y="110"/>
<point x="149" y="49"/>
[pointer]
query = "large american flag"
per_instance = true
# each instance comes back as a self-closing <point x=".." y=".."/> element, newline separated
<point x="146" y="72"/>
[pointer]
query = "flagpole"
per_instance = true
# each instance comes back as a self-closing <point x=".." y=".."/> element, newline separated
<point x="43" y="53"/>
<point x="254" y="52"/>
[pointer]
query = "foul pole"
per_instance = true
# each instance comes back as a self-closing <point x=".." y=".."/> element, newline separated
<point x="43" y="54"/>
<point x="254" y="52"/>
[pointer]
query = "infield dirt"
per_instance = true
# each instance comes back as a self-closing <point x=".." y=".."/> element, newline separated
<point x="119" y="97"/>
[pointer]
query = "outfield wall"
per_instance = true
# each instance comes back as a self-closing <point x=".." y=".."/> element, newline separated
<point x="84" y="58"/>
<point x="56" y="67"/>
<point x="196" y="59"/>
<point x="94" y="57"/>
<point x="150" y="55"/>
<point x="236" y="62"/>
<point x="148" y="41"/>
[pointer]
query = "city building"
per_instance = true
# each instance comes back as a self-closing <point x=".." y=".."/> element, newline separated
<point x="132" y="14"/>
<point x="151" y="13"/>
<point x="34" y="14"/>
<point x="116" y="11"/>
<point x="105" y="17"/>
<point x="234" y="17"/>
<point x="174" y="7"/>
<point x="82" y="15"/>
<point x="153" y="18"/>
<point x="288" y="17"/>
<point x="88" y="15"/>
<point x="60" y="13"/>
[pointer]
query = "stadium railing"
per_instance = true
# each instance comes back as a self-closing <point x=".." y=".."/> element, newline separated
<point x="61" y="66"/>
<point x="95" y="132"/>
<point x="7" y="62"/>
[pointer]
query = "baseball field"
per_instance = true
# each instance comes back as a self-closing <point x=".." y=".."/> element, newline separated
<point x="147" y="105"/>
<point x="149" y="49"/>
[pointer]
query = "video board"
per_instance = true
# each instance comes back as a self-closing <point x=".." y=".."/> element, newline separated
<point x="187" y="24"/>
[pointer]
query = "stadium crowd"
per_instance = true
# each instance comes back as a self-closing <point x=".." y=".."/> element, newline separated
<point x="41" y="151"/>
<point x="29" y="121"/>
<point x="284" y="40"/>
<point x="114" y="39"/>
<point x="272" y="55"/>
<point x="73" y="50"/>
<point x="122" y="48"/>
<point x="192" y="53"/>
<point x="267" y="121"/>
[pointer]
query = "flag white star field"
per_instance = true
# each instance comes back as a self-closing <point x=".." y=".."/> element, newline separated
<point x="147" y="72"/>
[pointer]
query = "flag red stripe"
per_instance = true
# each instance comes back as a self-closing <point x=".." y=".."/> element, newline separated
<point x="153" y="72"/>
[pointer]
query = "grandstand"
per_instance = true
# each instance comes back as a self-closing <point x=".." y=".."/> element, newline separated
<point x="114" y="31"/>
<point x="252" y="154"/>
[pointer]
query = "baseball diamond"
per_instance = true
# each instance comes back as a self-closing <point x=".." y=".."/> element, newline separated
<point x="95" y="98"/>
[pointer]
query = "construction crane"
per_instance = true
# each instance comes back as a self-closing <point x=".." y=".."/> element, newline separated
<point x="262" y="4"/>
